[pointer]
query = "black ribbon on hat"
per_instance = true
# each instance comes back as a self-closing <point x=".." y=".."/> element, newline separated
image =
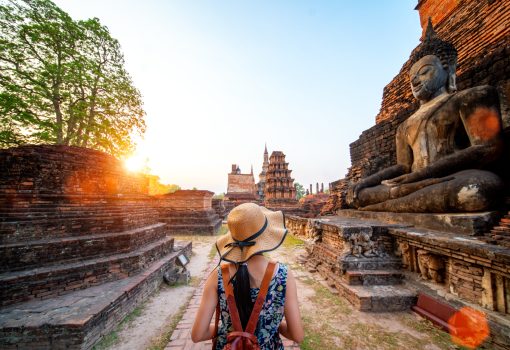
<point x="248" y="242"/>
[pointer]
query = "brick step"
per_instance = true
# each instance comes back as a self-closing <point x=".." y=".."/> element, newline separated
<point x="209" y="229"/>
<point x="64" y="214"/>
<point x="26" y="255"/>
<point x="12" y="232"/>
<point x="373" y="277"/>
<point x="78" y="320"/>
<point x="501" y="234"/>
<point x="501" y="229"/>
<point x="352" y="263"/>
<point x="376" y="298"/>
<point x="50" y="281"/>
<point x="34" y="208"/>
<point x="189" y="220"/>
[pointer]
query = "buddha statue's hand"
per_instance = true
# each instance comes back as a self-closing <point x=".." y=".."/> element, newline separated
<point x="352" y="193"/>
<point x="397" y="181"/>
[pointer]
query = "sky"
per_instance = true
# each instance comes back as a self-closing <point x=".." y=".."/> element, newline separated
<point x="220" y="78"/>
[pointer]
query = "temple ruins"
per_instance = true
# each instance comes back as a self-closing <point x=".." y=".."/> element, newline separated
<point x="279" y="191"/>
<point x="81" y="246"/>
<point x="241" y="188"/>
<point x="421" y="218"/>
<point x="188" y="211"/>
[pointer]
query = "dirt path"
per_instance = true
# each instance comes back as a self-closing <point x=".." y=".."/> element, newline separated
<point x="332" y="323"/>
<point x="148" y="324"/>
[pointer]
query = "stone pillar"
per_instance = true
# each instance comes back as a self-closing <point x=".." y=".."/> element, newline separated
<point x="317" y="187"/>
<point x="322" y="187"/>
<point x="311" y="192"/>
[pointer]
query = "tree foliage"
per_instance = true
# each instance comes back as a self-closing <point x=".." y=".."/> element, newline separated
<point x="158" y="188"/>
<point x="63" y="81"/>
<point x="300" y="190"/>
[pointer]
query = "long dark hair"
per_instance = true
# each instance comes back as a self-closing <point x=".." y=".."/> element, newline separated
<point x="241" y="281"/>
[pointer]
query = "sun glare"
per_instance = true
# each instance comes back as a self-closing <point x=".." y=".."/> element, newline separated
<point x="135" y="163"/>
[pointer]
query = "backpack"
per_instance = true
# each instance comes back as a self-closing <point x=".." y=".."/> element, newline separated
<point x="241" y="339"/>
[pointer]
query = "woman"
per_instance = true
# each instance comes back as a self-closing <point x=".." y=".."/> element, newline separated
<point x="253" y="230"/>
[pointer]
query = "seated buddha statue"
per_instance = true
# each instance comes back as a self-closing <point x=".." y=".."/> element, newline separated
<point x="445" y="149"/>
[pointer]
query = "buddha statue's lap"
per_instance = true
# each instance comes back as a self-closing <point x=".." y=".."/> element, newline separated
<point x="444" y="149"/>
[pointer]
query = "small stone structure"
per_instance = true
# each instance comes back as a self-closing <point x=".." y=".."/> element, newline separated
<point x="241" y="188"/>
<point x="188" y="211"/>
<point x="80" y="246"/>
<point x="312" y="204"/>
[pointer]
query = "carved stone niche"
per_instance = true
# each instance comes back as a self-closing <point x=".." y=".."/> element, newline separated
<point x="404" y="251"/>
<point x="361" y="244"/>
<point x="314" y="230"/>
<point x="496" y="291"/>
<point x="431" y="266"/>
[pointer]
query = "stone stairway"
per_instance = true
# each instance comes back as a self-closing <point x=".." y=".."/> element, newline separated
<point x="80" y="247"/>
<point x="357" y="259"/>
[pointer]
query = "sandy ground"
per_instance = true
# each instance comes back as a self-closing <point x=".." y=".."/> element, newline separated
<point x="159" y="310"/>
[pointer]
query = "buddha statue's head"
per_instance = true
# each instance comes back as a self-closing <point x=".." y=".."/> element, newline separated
<point x="434" y="63"/>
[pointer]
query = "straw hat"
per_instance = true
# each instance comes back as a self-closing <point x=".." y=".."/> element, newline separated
<point x="252" y="229"/>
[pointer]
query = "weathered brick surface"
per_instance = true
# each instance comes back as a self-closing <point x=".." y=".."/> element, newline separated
<point x="72" y="221"/>
<point x="188" y="211"/>
<point x="64" y="170"/>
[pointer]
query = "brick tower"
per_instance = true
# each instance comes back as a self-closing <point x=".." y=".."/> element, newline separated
<point x="279" y="191"/>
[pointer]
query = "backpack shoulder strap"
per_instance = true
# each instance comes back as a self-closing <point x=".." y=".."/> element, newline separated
<point x="261" y="298"/>
<point x="231" y="301"/>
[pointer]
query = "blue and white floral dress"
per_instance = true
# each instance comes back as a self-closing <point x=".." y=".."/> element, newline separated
<point x="270" y="317"/>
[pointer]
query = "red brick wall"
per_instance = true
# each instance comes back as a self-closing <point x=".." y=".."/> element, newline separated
<point x="186" y="200"/>
<point x="437" y="10"/>
<point x="64" y="170"/>
<point x="242" y="183"/>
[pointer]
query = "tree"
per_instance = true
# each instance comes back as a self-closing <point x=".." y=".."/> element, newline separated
<point x="158" y="188"/>
<point x="63" y="81"/>
<point x="300" y="190"/>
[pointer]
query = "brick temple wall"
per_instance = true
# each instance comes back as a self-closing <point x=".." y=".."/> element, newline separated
<point x="188" y="211"/>
<point x="65" y="171"/>
<point x="194" y="200"/>
<point x="241" y="183"/>
<point x="481" y="34"/>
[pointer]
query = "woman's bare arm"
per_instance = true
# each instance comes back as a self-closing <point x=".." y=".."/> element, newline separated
<point x="292" y="328"/>
<point x="202" y="328"/>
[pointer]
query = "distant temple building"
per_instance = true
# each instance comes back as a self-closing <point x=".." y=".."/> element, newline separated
<point x="241" y="187"/>
<point x="279" y="191"/>
<point x="262" y="176"/>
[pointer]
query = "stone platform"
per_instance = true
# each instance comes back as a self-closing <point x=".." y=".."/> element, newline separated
<point x="188" y="212"/>
<point x="356" y="257"/>
<point x="80" y="246"/>
<point x="77" y="320"/>
<point x="474" y="224"/>
<point x="381" y="266"/>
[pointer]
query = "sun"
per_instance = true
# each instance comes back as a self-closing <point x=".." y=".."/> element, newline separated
<point x="135" y="163"/>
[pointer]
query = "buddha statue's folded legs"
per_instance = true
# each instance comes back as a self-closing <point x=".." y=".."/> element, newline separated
<point x="465" y="191"/>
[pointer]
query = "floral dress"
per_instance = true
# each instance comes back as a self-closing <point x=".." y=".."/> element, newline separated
<point x="270" y="317"/>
